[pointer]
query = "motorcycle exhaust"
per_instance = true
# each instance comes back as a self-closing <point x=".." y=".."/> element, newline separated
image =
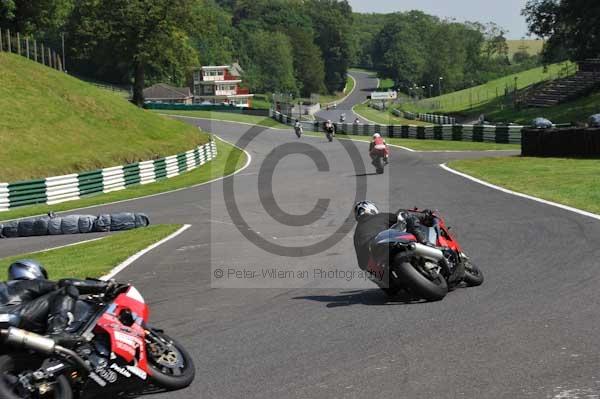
<point x="22" y="338"/>
<point x="427" y="252"/>
<point x="38" y="343"/>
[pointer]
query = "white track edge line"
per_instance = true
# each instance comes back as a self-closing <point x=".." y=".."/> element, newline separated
<point x="120" y="267"/>
<point x="248" y="161"/>
<point x="68" y="245"/>
<point x="515" y="193"/>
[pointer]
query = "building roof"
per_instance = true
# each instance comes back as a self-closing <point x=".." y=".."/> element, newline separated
<point x="163" y="91"/>
<point x="234" y="69"/>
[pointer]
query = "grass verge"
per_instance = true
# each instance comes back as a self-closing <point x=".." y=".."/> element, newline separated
<point x="431" y="145"/>
<point x="96" y="258"/>
<point x="384" y="117"/>
<point x="227" y="117"/>
<point x="572" y="182"/>
<point x="212" y="170"/>
<point x="54" y="124"/>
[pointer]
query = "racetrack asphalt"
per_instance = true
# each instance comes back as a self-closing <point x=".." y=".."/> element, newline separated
<point x="530" y="331"/>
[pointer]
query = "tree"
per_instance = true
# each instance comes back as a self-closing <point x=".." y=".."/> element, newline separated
<point x="309" y="69"/>
<point x="144" y="35"/>
<point x="268" y="62"/>
<point x="38" y="17"/>
<point x="571" y="27"/>
<point x="331" y="22"/>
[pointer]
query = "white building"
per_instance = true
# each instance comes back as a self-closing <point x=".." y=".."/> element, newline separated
<point x="220" y="85"/>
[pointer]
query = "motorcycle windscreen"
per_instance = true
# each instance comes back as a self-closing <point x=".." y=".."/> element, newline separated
<point x="392" y="236"/>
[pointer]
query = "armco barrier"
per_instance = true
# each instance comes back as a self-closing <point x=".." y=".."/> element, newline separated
<point x="481" y="133"/>
<point x="54" y="190"/>
<point x="437" y="119"/>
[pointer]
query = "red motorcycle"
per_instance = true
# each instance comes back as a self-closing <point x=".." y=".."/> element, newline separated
<point x="118" y="354"/>
<point x="399" y="261"/>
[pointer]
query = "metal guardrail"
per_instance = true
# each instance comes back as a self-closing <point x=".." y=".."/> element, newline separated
<point x="479" y="133"/>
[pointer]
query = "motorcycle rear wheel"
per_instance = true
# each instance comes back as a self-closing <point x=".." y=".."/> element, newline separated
<point x="430" y="288"/>
<point x="473" y="275"/>
<point x="172" y="369"/>
<point x="11" y="365"/>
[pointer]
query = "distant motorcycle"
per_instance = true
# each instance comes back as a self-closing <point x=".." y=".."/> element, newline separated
<point x="342" y="118"/>
<point x="329" y="130"/>
<point x="118" y="355"/>
<point x="423" y="269"/>
<point x="298" y="129"/>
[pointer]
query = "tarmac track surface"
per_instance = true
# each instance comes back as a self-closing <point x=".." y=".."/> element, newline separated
<point x="529" y="332"/>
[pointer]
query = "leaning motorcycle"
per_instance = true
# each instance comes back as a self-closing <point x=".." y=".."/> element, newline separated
<point x="426" y="270"/>
<point x="117" y="354"/>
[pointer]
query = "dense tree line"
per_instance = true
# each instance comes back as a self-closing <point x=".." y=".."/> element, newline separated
<point x="293" y="46"/>
<point x="416" y="49"/>
<point x="296" y="46"/>
<point x="570" y="27"/>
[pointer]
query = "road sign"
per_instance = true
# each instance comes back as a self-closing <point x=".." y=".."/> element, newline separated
<point x="384" y="95"/>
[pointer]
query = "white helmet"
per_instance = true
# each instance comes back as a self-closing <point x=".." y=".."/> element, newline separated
<point x="376" y="135"/>
<point x="364" y="208"/>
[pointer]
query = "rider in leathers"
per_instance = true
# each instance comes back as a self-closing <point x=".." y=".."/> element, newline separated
<point x="370" y="223"/>
<point x="37" y="304"/>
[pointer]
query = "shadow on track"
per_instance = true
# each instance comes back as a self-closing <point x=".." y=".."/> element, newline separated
<point x="366" y="174"/>
<point x="373" y="297"/>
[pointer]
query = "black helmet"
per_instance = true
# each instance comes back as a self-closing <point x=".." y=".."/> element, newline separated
<point x="27" y="269"/>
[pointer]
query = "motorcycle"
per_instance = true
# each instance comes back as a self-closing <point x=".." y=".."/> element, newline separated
<point x="298" y="129"/>
<point x="329" y="131"/>
<point x="399" y="261"/>
<point x="378" y="160"/>
<point x="117" y="353"/>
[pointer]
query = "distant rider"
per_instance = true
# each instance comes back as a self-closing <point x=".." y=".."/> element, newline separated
<point x="329" y="127"/>
<point x="298" y="128"/>
<point x="357" y="121"/>
<point x="36" y="304"/>
<point x="378" y="144"/>
<point x="342" y="118"/>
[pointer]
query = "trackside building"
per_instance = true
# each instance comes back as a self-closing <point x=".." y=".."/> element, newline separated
<point x="217" y="85"/>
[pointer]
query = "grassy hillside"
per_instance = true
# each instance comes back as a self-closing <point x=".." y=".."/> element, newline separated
<point x="533" y="47"/>
<point x="54" y="124"/>
<point x="577" y="111"/>
<point x="465" y="100"/>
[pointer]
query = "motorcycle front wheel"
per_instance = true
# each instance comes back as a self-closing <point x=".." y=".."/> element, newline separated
<point x="473" y="275"/>
<point x="429" y="286"/>
<point x="14" y="366"/>
<point x="171" y="365"/>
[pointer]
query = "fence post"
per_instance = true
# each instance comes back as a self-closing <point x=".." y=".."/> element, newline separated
<point x="27" y="45"/>
<point x="8" y="36"/>
<point x="35" y="50"/>
<point x="49" y="57"/>
<point x="18" y="44"/>
<point x="1" y="47"/>
<point x="43" y="54"/>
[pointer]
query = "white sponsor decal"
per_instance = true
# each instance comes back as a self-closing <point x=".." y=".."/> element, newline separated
<point x="120" y="370"/>
<point x="97" y="379"/>
<point x="126" y="339"/>
<point x="137" y="372"/>
<point x="135" y="295"/>
<point x="109" y="376"/>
